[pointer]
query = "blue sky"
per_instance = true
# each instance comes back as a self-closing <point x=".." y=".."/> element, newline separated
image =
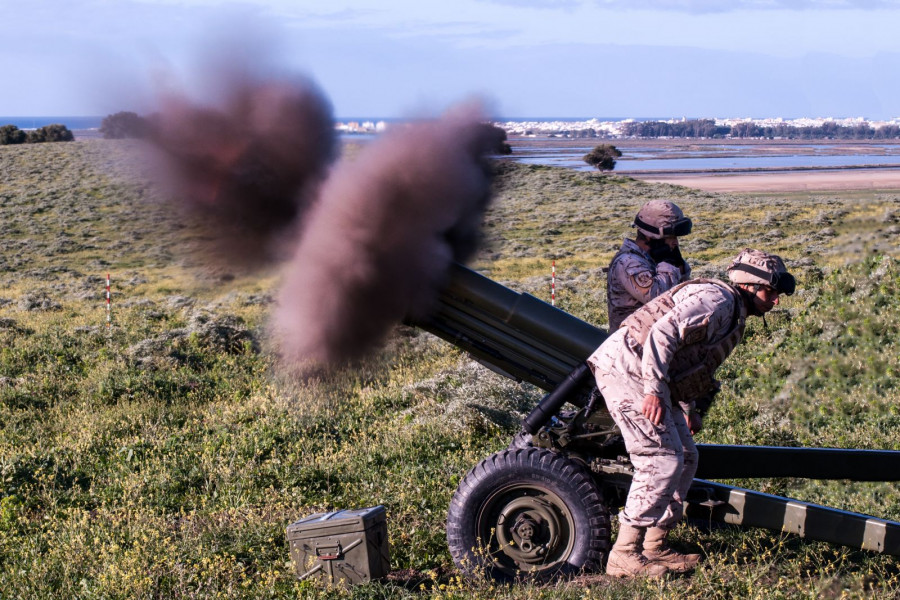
<point x="528" y="58"/>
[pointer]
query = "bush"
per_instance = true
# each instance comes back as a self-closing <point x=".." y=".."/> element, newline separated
<point x="498" y="139"/>
<point x="603" y="157"/>
<point x="123" y="125"/>
<point x="10" y="134"/>
<point x="50" y="133"/>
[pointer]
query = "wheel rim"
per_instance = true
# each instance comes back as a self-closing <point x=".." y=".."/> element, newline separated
<point x="526" y="528"/>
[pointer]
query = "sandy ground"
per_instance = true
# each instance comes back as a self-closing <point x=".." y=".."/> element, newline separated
<point x="789" y="181"/>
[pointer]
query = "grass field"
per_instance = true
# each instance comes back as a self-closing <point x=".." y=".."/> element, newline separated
<point x="164" y="456"/>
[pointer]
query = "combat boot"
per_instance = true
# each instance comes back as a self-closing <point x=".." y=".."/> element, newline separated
<point x="626" y="558"/>
<point x="657" y="550"/>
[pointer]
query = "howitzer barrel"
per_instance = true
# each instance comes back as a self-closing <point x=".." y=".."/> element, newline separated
<point x="514" y="334"/>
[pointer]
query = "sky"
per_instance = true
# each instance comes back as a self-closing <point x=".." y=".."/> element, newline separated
<point x="411" y="58"/>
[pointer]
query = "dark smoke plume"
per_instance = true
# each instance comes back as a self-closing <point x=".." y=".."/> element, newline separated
<point x="246" y="172"/>
<point x="371" y="241"/>
<point x="377" y="245"/>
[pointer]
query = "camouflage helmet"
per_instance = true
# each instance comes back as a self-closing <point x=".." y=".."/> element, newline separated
<point x="761" y="268"/>
<point x="660" y="218"/>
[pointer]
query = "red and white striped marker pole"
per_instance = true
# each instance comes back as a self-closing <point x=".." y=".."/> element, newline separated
<point x="553" y="284"/>
<point x="108" y="311"/>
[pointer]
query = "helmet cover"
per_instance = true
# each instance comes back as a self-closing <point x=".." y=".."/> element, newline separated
<point x="756" y="267"/>
<point x="660" y="218"/>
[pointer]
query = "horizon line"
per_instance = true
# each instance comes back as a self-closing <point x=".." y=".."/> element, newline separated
<point x="341" y="119"/>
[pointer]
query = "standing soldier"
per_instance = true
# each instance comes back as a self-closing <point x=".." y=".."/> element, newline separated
<point x="648" y="265"/>
<point x="656" y="376"/>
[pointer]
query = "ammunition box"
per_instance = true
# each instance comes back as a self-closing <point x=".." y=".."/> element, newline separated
<point x="341" y="548"/>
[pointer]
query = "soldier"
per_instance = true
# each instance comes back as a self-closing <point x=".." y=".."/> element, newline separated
<point x="661" y="360"/>
<point x="648" y="265"/>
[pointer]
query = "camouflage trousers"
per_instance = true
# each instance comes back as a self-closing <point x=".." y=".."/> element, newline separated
<point x="664" y="456"/>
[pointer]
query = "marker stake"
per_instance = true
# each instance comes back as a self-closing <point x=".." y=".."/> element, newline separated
<point x="553" y="284"/>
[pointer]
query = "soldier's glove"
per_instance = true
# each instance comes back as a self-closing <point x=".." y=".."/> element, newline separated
<point x="661" y="252"/>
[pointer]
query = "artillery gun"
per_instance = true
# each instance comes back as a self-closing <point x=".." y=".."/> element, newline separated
<point x="541" y="508"/>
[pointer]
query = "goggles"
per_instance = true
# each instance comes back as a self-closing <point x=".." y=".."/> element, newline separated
<point x="678" y="228"/>
<point x="782" y="282"/>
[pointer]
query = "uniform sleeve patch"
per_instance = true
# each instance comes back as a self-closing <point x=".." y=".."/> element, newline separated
<point x="642" y="279"/>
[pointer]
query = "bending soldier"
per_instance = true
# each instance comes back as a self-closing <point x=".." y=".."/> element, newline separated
<point x="648" y="265"/>
<point x="656" y="375"/>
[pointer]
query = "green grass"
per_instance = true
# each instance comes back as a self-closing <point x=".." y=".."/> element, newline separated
<point x="163" y="458"/>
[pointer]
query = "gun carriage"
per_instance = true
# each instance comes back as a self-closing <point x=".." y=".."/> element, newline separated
<point x="541" y="508"/>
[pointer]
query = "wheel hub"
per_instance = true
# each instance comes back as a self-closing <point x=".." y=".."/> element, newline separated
<point x="529" y="530"/>
<point x="524" y="530"/>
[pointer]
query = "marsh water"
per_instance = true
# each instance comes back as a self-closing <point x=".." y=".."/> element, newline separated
<point x="694" y="155"/>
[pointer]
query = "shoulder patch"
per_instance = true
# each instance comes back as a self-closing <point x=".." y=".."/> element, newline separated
<point x="642" y="279"/>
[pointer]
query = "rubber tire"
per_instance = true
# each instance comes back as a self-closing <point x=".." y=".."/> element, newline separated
<point x="526" y="472"/>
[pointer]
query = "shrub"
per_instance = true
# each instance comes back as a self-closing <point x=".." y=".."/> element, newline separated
<point x="50" y="133"/>
<point x="603" y="157"/>
<point x="498" y="139"/>
<point x="123" y="124"/>
<point x="10" y="134"/>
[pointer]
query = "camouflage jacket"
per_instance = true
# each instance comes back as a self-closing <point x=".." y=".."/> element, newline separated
<point x="633" y="279"/>
<point x="682" y="345"/>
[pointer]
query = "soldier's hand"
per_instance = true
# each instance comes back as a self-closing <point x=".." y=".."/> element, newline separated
<point x="695" y="423"/>
<point x="653" y="408"/>
<point x="663" y="253"/>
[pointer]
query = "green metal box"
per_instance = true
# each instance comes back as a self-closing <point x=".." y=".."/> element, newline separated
<point x="344" y="547"/>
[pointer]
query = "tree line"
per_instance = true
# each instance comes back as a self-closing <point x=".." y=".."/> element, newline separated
<point x="10" y="134"/>
<point x="115" y="126"/>
<point x="707" y="128"/>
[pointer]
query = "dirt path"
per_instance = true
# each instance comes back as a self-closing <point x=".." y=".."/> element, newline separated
<point x="851" y="179"/>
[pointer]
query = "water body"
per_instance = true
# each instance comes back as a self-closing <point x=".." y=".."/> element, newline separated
<point x="720" y="163"/>
<point x="723" y="157"/>
<point x="73" y="123"/>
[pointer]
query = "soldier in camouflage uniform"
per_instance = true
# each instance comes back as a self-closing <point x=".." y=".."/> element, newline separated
<point x="656" y="376"/>
<point x="648" y="265"/>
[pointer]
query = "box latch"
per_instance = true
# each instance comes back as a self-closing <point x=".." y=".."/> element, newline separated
<point x="330" y="552"/>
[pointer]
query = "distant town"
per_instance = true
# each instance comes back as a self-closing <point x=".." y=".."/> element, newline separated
<point x="858" y="127"/>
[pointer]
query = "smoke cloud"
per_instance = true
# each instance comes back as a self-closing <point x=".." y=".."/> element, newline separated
<point x="377" y="246"/>
<point x="246" y="173"/>
<point x="365" y="242"/>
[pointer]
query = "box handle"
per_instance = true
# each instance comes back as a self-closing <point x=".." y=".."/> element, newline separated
<point x="335" y="552"/>
<point x="328" y="552"/>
